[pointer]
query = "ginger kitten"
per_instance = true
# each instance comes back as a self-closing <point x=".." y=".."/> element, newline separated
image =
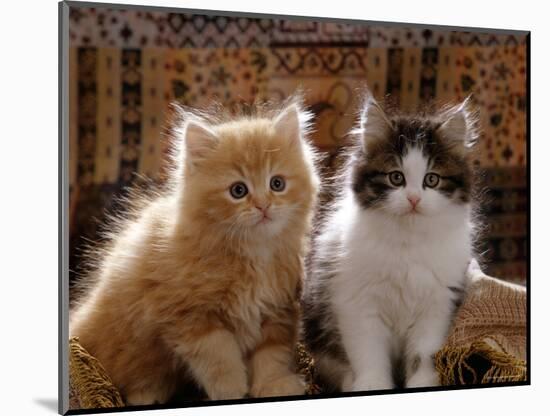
<point x="205" y="282"/>
<point x="392" y="258"/>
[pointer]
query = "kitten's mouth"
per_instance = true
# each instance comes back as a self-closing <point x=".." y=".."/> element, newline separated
<point x="264" y="220"/>
<point x="413" y="212"/>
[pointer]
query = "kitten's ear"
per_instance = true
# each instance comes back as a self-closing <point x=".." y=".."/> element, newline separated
<point x="199" y="140"/>
<point x="458" y="126"/>
<point x="375" y="124"/>
<point x="287" y="124"/>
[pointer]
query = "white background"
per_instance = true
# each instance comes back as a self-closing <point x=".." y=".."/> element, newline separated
<point x="29" y="194"/>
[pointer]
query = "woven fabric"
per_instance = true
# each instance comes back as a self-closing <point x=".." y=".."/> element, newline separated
<point x="127" y="66"/>
<point x="90" y="386"/>
<point x="487" y="343"/>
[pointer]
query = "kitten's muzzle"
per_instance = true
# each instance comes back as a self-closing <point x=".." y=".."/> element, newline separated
<point x="263" y="209"/>
<point x="413" y="200"/>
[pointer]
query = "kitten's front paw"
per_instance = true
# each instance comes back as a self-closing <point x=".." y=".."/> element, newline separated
<point x="288" y="385"/>
<point x="141" y="398"/>
<point x="424" y="377"/>
<point x="372" y="382"/>
<point x="347" y="381"/>
<point x="159" y="394"/>
<point x="227" y="387"/>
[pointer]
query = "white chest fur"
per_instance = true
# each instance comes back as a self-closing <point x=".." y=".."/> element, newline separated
<point x="397" y="267"/>
<point x="390" y="294"/>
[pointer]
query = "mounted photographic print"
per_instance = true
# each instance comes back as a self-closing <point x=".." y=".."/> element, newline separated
<point x="267" y="208"/>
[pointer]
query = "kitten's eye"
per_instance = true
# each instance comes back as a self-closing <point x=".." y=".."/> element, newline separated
<point x="431" y="180"/>
<point x="238" y="190"/>
<point x="396" y="178"/>
<point x="277" y="184"/>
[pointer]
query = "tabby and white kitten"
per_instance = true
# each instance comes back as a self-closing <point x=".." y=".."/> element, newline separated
<point x="391" y="260"/>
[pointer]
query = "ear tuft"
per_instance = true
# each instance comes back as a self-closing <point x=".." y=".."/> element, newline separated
<point x="455" y="127"/>
<point x="459" y="125"/>
<point x="287" y="123"/>
<point x="199" y="140"/>
<point x="375" y="124"/>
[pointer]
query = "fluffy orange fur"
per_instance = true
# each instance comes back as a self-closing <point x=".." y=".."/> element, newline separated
<point x="201" y="284"/>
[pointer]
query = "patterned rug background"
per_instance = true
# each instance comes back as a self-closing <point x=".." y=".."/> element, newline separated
<point x="125" y="67"/>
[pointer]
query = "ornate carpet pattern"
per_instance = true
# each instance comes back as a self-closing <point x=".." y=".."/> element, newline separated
<point x="126" y="67"/>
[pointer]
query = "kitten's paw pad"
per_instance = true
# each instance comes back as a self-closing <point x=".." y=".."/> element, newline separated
<point x="289" y="385"/>
<point x="424" y="378"/>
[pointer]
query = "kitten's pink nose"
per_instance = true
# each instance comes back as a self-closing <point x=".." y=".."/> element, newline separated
<point x="414" y="200"/>
<point x="263" y="207"/>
